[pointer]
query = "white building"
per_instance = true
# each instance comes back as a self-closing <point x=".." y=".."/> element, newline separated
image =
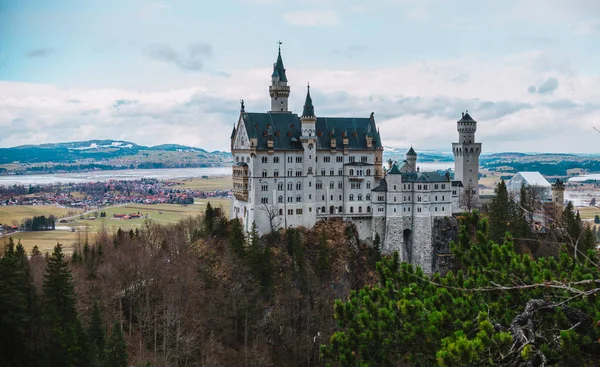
<point x="291" y="171"/>
<point x="529" y="179"/>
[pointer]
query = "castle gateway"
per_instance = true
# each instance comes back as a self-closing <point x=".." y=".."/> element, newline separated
<point x="291" y="171"/>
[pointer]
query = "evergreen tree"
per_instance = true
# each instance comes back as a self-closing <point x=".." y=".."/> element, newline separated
<point x="116" y="350"/>
<point x="500" y="213"/>
<point x="236" y="237"/>
<point x="209" y="219"/>
<point x="96" y="335"/>
<point x="597" y="219"/>
<point x="17" y="302"/>
<point x="65" y="340"/>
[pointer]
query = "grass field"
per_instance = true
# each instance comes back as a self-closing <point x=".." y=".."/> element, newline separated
<point x="207" y="184"/>
<point x="20" y="212"/>
<point x="588" y="212"/>
<point x="161" y="213"/>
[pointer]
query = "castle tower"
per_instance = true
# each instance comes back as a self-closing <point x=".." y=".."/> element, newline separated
<point x="466" y="154"/>
<point x="279" y="90"/>
<point x="558" y="197"/>
<point x="308" y="138"/>
<point x="411" y="158"/>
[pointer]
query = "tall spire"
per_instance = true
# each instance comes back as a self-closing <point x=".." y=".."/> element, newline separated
<point x="309" y="109"/>
<point x="278" y="68"/>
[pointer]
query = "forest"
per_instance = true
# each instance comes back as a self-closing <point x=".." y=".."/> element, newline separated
<point x="202" y="292"/>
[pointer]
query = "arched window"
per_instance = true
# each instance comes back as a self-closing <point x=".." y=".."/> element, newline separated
<point x="276" y="173"/>
<point x="331" y="172"/>
<point x="322" y="209"/>
<point x="310" y="170"/>
<point x="280" y="186"/>
<point x="290" y="186"/>
<point x="340" y="209"/>
<point x="290" y="173"/>
<point x="264" y="173"/>
<point x="298" y="186"/>
<point x="351" y="172"/>
<point x="275" y="159"/>
<point x="351" y="197"/>
<point x="368" y="209"/>
<point x="351" y="209"/>
<point x="319" y="185"/>
<point x="368" y="197"/>
<point x="280" y="211"/>
<point x="264" y="187"/>
<point x="323" y="172"/>
<point x="298" y="173"/>
<point x="237" y="159"/>
<point x="340" y="172"/>
<point x="280" y="199"/>
<point x="359" y="197"/>
<point x="360" y="209"/>
<point x="368" y="172"/>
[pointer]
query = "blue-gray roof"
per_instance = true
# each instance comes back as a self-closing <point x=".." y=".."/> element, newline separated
<point x="286" y="127"/>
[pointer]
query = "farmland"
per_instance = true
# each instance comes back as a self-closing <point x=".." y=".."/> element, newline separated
<point x="18" y="213"/>
<point x="76" y="231"/>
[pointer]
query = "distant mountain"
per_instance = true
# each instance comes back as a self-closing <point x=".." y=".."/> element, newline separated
<point x="99" y="150"/>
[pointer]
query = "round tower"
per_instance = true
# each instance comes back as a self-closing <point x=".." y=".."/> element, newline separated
<point x="466" y="154"/>
<point x="279" y="90"/>
<point x="558" y="197"/>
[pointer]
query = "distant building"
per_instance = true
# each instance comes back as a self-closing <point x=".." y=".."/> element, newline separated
<point x="530" y="180"/>
<point x="292" y="170"/>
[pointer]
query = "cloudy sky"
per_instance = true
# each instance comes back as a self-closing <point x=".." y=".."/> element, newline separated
<point x="173" y="71"/>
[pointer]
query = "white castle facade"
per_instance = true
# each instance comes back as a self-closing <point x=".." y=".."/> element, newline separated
<point x="291" y="171"/>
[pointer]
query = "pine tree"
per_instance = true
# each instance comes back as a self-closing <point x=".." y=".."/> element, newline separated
<point x="500" y="213"/>
<point x="65" y="340"/>
<point x="116" y="350"/>
<point x="597" y="219"/>
<point x="209" y="219"/>
<point x="17" y="302"/>
<point x="236" y="237"/>
<point x="96" y="334"/>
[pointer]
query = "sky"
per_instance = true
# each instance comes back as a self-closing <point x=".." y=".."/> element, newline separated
<point x="173" y="71"/>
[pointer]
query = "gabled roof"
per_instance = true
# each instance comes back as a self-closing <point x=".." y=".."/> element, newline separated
<point x="232" y="133"/>
<point x="394" y="170"/>
<point x="411" y="152"/>
<point x="532" y="178"/>
<point x="286" y="130"/>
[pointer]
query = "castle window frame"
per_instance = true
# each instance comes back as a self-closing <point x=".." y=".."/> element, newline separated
<point x="298" y="159"/>
<point x="264" y="187"/>
<point x="298" y="211"/>
<point x="280" y="199"/>
<point x="319" y="185"/>
<point x="368" y="209"/>
<point x="280" y="186"/>
<point x="280" y="211"/>
<point x="340" y="172"/>
<point x="351" y="209"/>
<point x="418" y="210"/>
<point x="394" y="187"/>
<point x="360" y="209"/>
<point x="332" y="185"/>
<point x="264" y="173"/>
<point x="351" y="172"/>
<point x="339" y="159"/>
<point x="322" y="171"/>
<point x="275" y="159"/>
<point x="326" y="159"/>
<point x="351" y="197"/>
<point x="298" y="199"/>
<point x="290" y="211"/>
<point x="340" y="185"/>
<point x="298" y="186"/>
<point x="264" y="200"/>
<point x="360" y="197"/>
<point x="290" y="159"/>
<point x="331" y="172"/>
<point x="290" y="199"/>
<point x="443" y="186"/>
<point x="276" y="173"/>
<point x="298" y="173"/>
<point x="419" y="187"/>
<point x="290" y="186"/>
<point x="340" y="209"/>
<point x="290" y="172"/>
<point x="436" y="186"/>
<point x="265" y="159"/>
<point x="368" y="197"/>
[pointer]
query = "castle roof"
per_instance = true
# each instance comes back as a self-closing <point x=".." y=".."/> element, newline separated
<point x="232" y="133"/>
<point x="309" y="109"/>
<point x="466" y="118"/>
<point x="286" y="130"/>
<point x="425" y="177"/>
<point x="278" y="69"/>
<point x="411" y="152"/>
<point x="382" y="185"/>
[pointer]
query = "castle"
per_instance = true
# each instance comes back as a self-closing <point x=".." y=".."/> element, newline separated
<point x="292" y="171"/>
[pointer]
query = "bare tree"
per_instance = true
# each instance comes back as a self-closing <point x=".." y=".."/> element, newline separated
<point x="533" y="201"/>
<point x="273" y="216"/>
<point x="468" y="198"/>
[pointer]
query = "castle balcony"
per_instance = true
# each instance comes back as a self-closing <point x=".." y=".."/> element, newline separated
<point x="240" y="181"/>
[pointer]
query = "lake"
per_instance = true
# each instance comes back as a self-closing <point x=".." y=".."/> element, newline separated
<point x="160" y="173"/>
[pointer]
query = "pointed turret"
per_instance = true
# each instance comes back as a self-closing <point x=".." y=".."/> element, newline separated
<point x="232" y="138"/>
<point x="308" y="117"/>
<point x="279" y="90"/>
<point x="309" y="109"/>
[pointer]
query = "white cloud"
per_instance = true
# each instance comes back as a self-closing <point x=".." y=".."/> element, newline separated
<point x="312" y="18"/>
<point x="416" y="103"/>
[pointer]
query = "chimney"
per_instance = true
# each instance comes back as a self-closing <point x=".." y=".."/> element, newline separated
<point x="463" y="114"/>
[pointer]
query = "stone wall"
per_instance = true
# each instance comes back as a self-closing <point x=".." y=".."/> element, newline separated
<point x="364" y="228"/>
<point x="445" y="230"/>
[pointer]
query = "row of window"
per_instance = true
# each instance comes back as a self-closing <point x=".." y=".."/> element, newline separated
<point x="340" y="209"/>
<point x="298" y="159"/>
<point x="407" y="209"/>
<point x="298" y="173"/>
<point x="422" y="187"/>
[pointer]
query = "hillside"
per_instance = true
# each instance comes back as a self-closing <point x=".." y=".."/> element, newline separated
<point x="105" y="154"/>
